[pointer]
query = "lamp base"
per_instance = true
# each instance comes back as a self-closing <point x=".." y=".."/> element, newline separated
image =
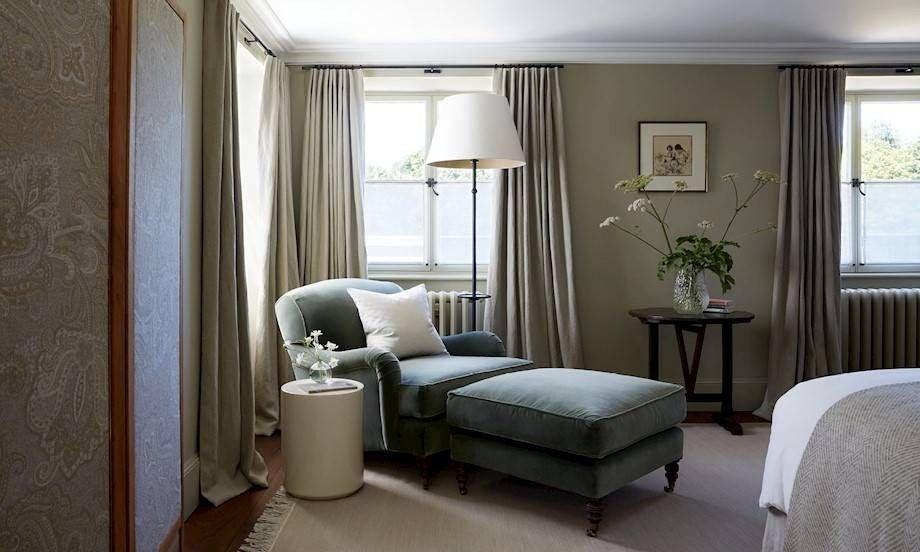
<point x="470" y="297"/>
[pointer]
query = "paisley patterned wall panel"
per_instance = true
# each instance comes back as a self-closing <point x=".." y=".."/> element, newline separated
<point x="54" y="74"/>
<point x="156" y="268"/>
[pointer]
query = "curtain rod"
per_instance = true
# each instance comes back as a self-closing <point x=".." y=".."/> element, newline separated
<point x="435" y="68"/>
<point x="256" y="39"/>
<point x="905" y="68"/>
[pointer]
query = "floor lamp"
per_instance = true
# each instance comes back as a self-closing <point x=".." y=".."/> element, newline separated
<point x="475" y="131"/>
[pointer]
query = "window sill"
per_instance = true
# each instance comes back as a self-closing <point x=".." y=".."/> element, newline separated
<point x="425" y="276"/>
<point x="875" y="275"/>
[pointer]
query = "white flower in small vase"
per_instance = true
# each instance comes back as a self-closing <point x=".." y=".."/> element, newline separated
<point x="316" y="357"/>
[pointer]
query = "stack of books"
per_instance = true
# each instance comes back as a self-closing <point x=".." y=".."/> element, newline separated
<point x="721" y="306"/>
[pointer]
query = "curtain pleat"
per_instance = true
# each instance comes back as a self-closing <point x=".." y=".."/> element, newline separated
<point x="278" y="269"/>
<point x="329" y="210"/>
<point x="229" y="463"/>
<point x="533" y="307"/>
<point x="805" y="324"/>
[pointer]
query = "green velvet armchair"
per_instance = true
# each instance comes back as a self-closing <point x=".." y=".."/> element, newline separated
<point x="405" y="400"/>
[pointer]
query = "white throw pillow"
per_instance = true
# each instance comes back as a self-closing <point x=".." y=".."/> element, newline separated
<point x="398" y="322"/>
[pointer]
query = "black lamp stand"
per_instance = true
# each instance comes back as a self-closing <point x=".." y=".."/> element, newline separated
<point x="474" y="296"/>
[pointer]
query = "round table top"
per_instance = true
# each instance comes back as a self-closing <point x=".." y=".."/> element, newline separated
<point x="667" y="315"/>
<point x="299" y="388"/>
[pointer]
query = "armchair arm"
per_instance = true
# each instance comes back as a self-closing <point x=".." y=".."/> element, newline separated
<point x="382" y="364"/>
<point x="386" y="366"/>
<point x="474" y="344"/>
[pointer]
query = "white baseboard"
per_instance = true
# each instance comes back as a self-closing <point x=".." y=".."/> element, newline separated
<point x="191" y="492"/>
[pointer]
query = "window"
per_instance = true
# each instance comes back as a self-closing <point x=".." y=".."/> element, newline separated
<point x="418" y="218"/>
<point x="250" y="66"/>
<point x="880" y="188"/>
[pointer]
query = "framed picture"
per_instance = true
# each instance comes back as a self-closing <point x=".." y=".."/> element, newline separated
<point x="671" y="152"/>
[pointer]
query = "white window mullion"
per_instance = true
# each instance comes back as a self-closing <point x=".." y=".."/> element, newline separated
<point x="431" y="202"/>
<point x="856" y="171"/>
<point x="435" y="203"/>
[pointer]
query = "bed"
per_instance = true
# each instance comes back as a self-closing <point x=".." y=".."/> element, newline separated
<point x="843" y="467"/>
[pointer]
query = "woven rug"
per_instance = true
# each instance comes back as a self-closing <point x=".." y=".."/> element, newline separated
<point x="714" y="507"/>
<point x="268" y="526"/>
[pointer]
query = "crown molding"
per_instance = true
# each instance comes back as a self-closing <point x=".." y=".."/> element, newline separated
<point x="263" y="20"/>
<point x="260" y="17"/>
<point x="653" y="53"/>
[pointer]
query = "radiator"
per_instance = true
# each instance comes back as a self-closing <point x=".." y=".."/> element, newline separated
<point x="450" y="314"/>
<point x="881" y="328"/>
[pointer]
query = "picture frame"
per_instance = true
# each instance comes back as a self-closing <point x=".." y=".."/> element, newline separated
<point x="672" y="151"/>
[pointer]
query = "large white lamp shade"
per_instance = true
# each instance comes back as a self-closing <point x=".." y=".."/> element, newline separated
<point x="475" y="126"/>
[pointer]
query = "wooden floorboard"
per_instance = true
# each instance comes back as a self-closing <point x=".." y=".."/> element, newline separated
<point x="223" y="528"/>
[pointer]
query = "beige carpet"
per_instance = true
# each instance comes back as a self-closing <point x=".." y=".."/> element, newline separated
<point x="713" y="508"/>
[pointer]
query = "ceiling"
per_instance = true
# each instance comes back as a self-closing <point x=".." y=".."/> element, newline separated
<point x="723" y="31"/>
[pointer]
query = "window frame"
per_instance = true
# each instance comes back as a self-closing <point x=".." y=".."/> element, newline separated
<point x="430" y="268"/>
<point x="853" y="102"/>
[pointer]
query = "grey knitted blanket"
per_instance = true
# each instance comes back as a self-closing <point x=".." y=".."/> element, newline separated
<point x="858" y="485"/>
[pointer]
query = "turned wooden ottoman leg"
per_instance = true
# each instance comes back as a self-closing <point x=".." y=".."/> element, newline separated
<point x="670" y="471"/>
<point x="462" y="475"/>
<point x="424" y="469"/>
<point x="595" y="510"/>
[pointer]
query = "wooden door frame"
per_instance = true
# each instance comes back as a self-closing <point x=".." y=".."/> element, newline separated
<point x="121" y="449"/>
<point x="120" y="327"/>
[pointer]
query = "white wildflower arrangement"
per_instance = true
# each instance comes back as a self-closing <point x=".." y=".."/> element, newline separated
<point x="692" y="250"/>
<point x="639" y="206"/>
<point x="315" y="352"/>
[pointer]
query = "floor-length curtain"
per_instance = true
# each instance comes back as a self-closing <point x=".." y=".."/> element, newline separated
<point x="277" y="269"/>
<point x="229" y="463"/>
<point x="530" y="273"/>
<point x="805" y="324"/>
<point x="329" y="208"/>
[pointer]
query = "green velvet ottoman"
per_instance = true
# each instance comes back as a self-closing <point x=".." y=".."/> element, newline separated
<point x="581" y="431"/>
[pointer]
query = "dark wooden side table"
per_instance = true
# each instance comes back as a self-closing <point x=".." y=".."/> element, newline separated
<point x="696" y="324"/>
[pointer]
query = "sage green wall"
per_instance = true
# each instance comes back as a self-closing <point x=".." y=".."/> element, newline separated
<point x="603" y="105"/>
<point x="613" y="272"/>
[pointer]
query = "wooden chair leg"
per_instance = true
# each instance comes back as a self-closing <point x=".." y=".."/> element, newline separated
<point x="670" y="471"/>
<point x="462" y="475"/>
<point x="424" y="469"/>
<point x="595" y="511"/>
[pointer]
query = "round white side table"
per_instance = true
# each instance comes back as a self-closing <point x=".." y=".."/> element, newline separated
<point x="321" y="440"/>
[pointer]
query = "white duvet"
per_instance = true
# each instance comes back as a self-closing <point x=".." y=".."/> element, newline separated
<point x="795" y="416"/>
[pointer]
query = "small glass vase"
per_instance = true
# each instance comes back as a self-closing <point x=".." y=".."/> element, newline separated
<point x="691" y="296"/>
<point x="321" y="372"/>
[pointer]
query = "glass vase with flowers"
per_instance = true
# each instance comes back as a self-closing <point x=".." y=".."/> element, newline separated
<point x="689" y="255"/>
<point x="314" y="357"/>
